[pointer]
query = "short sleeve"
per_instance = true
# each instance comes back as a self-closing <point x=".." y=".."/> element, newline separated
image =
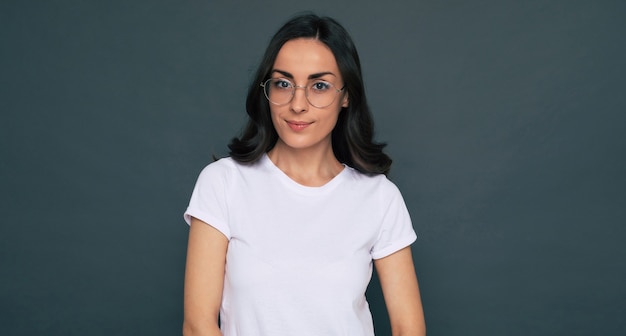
<point x="208" y="201"/>
<point x="396" y="230"/>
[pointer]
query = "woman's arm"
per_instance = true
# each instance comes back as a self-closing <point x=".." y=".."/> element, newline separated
<point x="402" y="297"/>
<point x="204" y="279"/>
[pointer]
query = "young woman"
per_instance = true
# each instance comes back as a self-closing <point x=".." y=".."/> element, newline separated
<point x="284" y="232"/>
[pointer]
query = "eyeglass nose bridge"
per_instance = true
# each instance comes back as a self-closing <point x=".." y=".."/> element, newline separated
<point x="293" y="94"/>
<point x="306" y="93"/>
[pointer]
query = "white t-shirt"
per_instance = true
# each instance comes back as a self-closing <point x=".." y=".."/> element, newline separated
<point x="299" y="258"/>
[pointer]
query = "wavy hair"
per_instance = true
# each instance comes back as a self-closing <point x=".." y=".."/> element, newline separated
<point x="352" y="137"/>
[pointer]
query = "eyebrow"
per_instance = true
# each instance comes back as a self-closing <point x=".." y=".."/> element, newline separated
<point x="311" y="76"/>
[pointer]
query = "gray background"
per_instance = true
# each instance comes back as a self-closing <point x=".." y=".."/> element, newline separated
<point x="505" y="120"/>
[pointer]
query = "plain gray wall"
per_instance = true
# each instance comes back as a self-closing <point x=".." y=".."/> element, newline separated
<point x="505" y="119"/>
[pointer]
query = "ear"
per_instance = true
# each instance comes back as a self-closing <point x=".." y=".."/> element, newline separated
<point x="345" y="101"/>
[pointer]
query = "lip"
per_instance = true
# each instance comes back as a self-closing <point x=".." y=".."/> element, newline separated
<point x="298" y="125"/>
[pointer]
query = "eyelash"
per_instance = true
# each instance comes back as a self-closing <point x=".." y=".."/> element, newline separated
<point x="278" y="82"/>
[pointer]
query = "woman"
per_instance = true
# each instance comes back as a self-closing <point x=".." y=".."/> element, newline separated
<point x="284" y="232"/>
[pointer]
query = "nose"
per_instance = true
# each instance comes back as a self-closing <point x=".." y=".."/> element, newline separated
<point x="299" y="102"/>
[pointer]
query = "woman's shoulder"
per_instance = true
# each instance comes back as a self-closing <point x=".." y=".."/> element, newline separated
<point x="220" y="170"/>
<point x="219" y="166"/>
<point x="380" y="182"/>
<point x="227" y="168"/>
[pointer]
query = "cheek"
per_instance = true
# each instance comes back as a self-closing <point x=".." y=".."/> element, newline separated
<point x="274" y="115"/>
<point x="332" y="118"/>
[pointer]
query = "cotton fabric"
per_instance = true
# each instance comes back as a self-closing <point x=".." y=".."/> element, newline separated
<point x="299" y="258"/>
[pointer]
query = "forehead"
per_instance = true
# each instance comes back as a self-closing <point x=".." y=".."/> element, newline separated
<point x="305" y="56"/>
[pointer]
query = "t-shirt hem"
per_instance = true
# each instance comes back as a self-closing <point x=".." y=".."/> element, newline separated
<point x="395" y="247"/>
<point x="208" y="219"/>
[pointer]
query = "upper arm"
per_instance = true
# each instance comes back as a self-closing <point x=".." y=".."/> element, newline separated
<point x="398" y="281"/>
<point x="204" y="275"/>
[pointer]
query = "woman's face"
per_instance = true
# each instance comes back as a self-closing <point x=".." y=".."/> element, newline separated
<point x="306" y="62"/>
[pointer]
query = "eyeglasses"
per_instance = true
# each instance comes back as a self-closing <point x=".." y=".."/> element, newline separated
<point x="319" y="93"/>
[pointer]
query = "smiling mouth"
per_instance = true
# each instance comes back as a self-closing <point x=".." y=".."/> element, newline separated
<point x="298" y="125"/>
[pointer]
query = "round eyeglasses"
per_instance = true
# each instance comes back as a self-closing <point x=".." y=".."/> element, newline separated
<point x="319" y="93"/>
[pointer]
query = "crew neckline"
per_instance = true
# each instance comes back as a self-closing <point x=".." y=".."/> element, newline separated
<point x="291" y="183"/>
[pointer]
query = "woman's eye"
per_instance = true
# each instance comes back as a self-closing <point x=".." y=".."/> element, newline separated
<point x="321" y="86"/>
<point x="282" y="84"/>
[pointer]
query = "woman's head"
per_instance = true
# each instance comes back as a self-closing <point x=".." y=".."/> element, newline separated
<point x="352" y="136"/>
<point x="306" y="94"/>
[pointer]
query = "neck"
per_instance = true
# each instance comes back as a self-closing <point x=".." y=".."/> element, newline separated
<point x="311" y="168"/>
